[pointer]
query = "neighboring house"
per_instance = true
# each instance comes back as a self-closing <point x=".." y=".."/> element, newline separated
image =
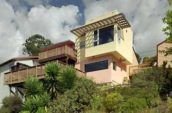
<point x="63" y="52"/>
<point x="161" y="57"/>
<point x="105" y="48"/>
<point x="13" y="65"/>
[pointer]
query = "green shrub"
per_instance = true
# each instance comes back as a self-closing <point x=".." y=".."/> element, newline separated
<point x="35" y="99"/>
<point x="11" y="104"/>
<point x="76" y="100"/>
<point x="133" y="105"/>
<point x="112" y="102"/>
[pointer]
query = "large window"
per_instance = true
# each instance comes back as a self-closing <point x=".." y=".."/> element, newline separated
<point x="104" y="35"/>
<point x="96" y="66"/>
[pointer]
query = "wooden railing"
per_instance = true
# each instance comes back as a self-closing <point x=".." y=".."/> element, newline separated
<point x="138" y="68"/>
<point x="21" y="75"/>
<point x="63" y="50"/>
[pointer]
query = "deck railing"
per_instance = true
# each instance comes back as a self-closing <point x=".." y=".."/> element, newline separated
<point x="21" y="75"/>
<point x="63" y="50"/>
<point x="138" y="68"/>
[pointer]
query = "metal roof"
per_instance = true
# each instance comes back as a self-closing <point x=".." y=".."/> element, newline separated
<point x="119" y="19"/>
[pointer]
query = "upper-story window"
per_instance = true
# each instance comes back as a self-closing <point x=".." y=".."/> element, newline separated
<point x="120" y="33"/>
<point x="82" y="44"/>
<point x="104" y="35"/>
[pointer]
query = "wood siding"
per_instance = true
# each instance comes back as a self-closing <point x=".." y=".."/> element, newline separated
<point x="57" y="52"/>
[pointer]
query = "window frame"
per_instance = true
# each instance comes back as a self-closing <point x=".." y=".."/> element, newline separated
<point x="82" y="44"/>
<point x="96" y="66"/>
<point x="96" y="38"/>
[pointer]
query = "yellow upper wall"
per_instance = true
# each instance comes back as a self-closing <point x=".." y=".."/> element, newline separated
<point x="122" y="47"/>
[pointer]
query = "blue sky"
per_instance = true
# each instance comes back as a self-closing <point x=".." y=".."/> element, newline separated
<point x="55" y="18"/>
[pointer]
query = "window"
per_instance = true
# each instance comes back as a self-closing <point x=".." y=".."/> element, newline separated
<point x="96" y="66"/>
<point x="114" y="65"/>
<point x="96" y="37"/>
<point x="82" y="44"/>
<point x="120" y="33"/>
<point x="104" y="35"/>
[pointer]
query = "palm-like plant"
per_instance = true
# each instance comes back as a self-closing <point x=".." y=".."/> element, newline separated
<point x="33" y="87"/>
<point x="52" y="77"/>
<point x="58" y="78"/>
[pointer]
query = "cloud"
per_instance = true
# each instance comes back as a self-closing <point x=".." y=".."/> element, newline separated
<point x="16" y="25"/>
<point x="145" y="16"/>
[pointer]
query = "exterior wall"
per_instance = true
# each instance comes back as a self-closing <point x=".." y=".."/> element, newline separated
<point x="119" y="74"/>
<point x="125" y="46"/>
<point x="27" y="62"/>
<point x="4" y="89"/>
<point x="100" y="49"/>
<point x="161" y="57"/>
<point x="105" y="75"/>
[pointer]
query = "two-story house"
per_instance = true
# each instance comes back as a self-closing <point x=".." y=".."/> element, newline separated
<point x="105" y="48"/>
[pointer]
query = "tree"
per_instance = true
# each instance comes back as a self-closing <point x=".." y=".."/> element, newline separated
<point x="168" y="29"/>
<point x="11" y="104"/>
<point x="34" y="43"/>
<point x="35" y="96"/>
<point x="58" y="79"/>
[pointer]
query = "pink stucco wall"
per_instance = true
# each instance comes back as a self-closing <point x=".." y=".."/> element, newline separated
<point x="106" y="75"/>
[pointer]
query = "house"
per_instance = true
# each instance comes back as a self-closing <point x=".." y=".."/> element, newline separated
<point x="10" y="66"/>
<point x="63" y="52"/>
<point x="105" y="48"/>
<point x="161" y="57"/>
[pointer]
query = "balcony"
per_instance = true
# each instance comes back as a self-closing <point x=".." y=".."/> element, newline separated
<point x="21" y="75"/>
<point x="100" y="49"/>
<point x="61" y="51"/>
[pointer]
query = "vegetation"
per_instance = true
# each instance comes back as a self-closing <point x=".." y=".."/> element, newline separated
<point x="58" y="79"/>
<point x="34" y="43"/>
<point x="168" y="29"/>
<point x="150" y="60"/>
<point x="36" y="98"/>
<point x="76" y="100"/>
<point x="63" y="92"/>
<point x="11" y="104"/>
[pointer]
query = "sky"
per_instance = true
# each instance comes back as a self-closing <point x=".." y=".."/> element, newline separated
<point x="19" y="19"/>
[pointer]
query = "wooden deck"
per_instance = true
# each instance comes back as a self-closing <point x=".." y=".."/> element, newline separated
<point x="21" y="75"/>
<point x="56" y="53"/>
<point x="138" y="68"/>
